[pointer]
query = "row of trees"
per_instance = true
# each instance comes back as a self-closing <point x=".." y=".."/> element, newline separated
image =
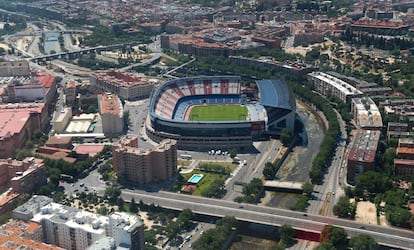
<point x="214" y="167"/>
<point x="377" y="41"/>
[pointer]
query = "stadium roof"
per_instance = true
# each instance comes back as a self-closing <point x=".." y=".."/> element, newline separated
<point x="276" y="93"/>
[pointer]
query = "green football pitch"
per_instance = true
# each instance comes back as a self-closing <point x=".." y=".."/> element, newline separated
<point x="218" y="113"/>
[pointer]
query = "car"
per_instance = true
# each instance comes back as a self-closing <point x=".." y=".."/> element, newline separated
<point x="76" y="190"/>
<point x="241" y="206"/>
<point x="81" y="184"/>
<point x="201" y="233"/>
<point x="305" y="214"/>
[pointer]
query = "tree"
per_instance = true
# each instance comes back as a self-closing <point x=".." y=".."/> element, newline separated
<point x="287" y="234"/>
<point x="285" y="137"/>
<point x="133" y="207"/>
<point x="233" y="153"/>
<point x="268" y="170"/>
<point x="325" y="246"/>
<point x="344" y="209"/>
<point x="363" y="242"/>
<point x="307" y="188"/>
<point x="372" y="182"/>
<point x="339" y="238"/>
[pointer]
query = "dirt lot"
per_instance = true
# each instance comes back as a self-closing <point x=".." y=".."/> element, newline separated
<point x="366" y="213"/>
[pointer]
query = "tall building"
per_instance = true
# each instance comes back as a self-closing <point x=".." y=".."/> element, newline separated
<point x="17" y="234"/>
<point x="110" y="108"/>
<point x="366" y="113"/>
<point x="126" y="85"/>
<point x="143" y="166"/>
<point x="72" y="228"/>
<point x="362" y="154"/>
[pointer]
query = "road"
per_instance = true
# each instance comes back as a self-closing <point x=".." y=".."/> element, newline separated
<point x="269" y="216"/>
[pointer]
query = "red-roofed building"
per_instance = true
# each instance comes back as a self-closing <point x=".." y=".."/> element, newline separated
<point x="110" y="108"/>
<point x="126" y="85"/>
<point x="48" y="81"/>
<point x="375" y="26"/>
<point x="362" y="154"/>
<point x="23" y="176"/>
<point x="89" y="149"/>
<point x="18" y="122"/>
<point x="17" y="234"/>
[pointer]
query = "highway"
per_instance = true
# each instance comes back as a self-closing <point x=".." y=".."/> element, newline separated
<point x="270" y="216"/>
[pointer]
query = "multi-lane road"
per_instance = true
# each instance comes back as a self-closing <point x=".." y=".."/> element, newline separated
<point x="270" y="216"/>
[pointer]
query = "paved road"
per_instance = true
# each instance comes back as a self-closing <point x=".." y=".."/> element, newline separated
<point x="270" y="216"/>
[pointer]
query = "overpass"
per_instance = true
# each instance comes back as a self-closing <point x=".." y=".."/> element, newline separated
<point x="387" y="236"/>
<point x="288" y="186"/>
<point x="63" y="32"/>
<point x="76" y="53"/>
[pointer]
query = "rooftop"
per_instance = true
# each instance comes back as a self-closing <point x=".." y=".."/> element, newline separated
<point x="365" y="146"/>
<point x="337" y="83"/>
<point x="122" y="78"/>
<point x="13" y="117"/>
<point x="110" y="104"/>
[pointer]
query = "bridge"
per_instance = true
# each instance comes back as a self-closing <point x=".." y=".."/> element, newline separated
<point x="76" y="53"/>
<point x="289" y="186"/>
<point x="63" y="32"/>
<point x="387" y="236"/>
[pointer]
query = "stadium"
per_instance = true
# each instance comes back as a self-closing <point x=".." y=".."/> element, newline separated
<point x="209" y="111"/>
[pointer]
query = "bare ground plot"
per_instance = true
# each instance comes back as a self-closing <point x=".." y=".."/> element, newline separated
<point x="367" y="213"/>
<point x="243" y="242"/>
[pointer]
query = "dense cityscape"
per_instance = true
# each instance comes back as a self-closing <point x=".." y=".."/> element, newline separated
<point x="206" y="124"/>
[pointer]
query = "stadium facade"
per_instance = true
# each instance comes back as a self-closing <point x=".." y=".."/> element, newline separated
<point x="171" y="102"/>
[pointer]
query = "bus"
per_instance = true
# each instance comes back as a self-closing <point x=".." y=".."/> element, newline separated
<point x="186" y="157"/>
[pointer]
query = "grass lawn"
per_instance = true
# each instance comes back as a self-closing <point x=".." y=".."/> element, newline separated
<point x="184" y="163"/>
<point x="205" y="183"/>
<point x="227" y="165"/>
<point x="224" y="112"/>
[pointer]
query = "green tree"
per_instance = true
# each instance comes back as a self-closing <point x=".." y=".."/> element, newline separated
<point x="372" y="182"/>
<point x="233" y="153"/>
<point x="287" y="234"/>
<point x="307" y="188"/>
<point x="133" y="207"/>
<point x="363" y="242"/>
<point x="344" y="209"/>
<point x="325" y="246"/>
<point x="339" y="238"/>
<point x="268" y="170"/>
<point x="285" y="137"/>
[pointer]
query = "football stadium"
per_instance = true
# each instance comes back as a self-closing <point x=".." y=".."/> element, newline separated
<point x="209" y="111"/>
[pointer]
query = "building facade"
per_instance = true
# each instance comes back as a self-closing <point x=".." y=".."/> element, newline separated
<point x="143" y="166"/>
<point x="72" y="228"/>
<point x="18" y="122"/>
<point x="327" y="85"/>
<point x="362" y="154"/>
<point x="366" y="113"/>
<point x="16" y="68"/>
<point x="110" y="108"/>
<point x="126" y="85"/>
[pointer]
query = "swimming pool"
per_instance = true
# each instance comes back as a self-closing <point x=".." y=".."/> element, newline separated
<point x="195" y="178"/>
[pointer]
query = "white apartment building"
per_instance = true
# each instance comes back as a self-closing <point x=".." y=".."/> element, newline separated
<point x="327" y="85"/>
<point x="72" y="228"/>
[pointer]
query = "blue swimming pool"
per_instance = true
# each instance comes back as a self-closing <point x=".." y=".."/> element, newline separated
<point x="195" y="178"/>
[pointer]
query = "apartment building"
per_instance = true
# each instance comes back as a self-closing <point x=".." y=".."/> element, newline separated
<point x="327" y="85"/>
<point x="143" y="166"/>
<point x="72" y="228"/>
<point x="126" y="85"/>
<point x="110" y="108"/>
<point x="362" y="154"/>
<point x="366" y="113"/>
